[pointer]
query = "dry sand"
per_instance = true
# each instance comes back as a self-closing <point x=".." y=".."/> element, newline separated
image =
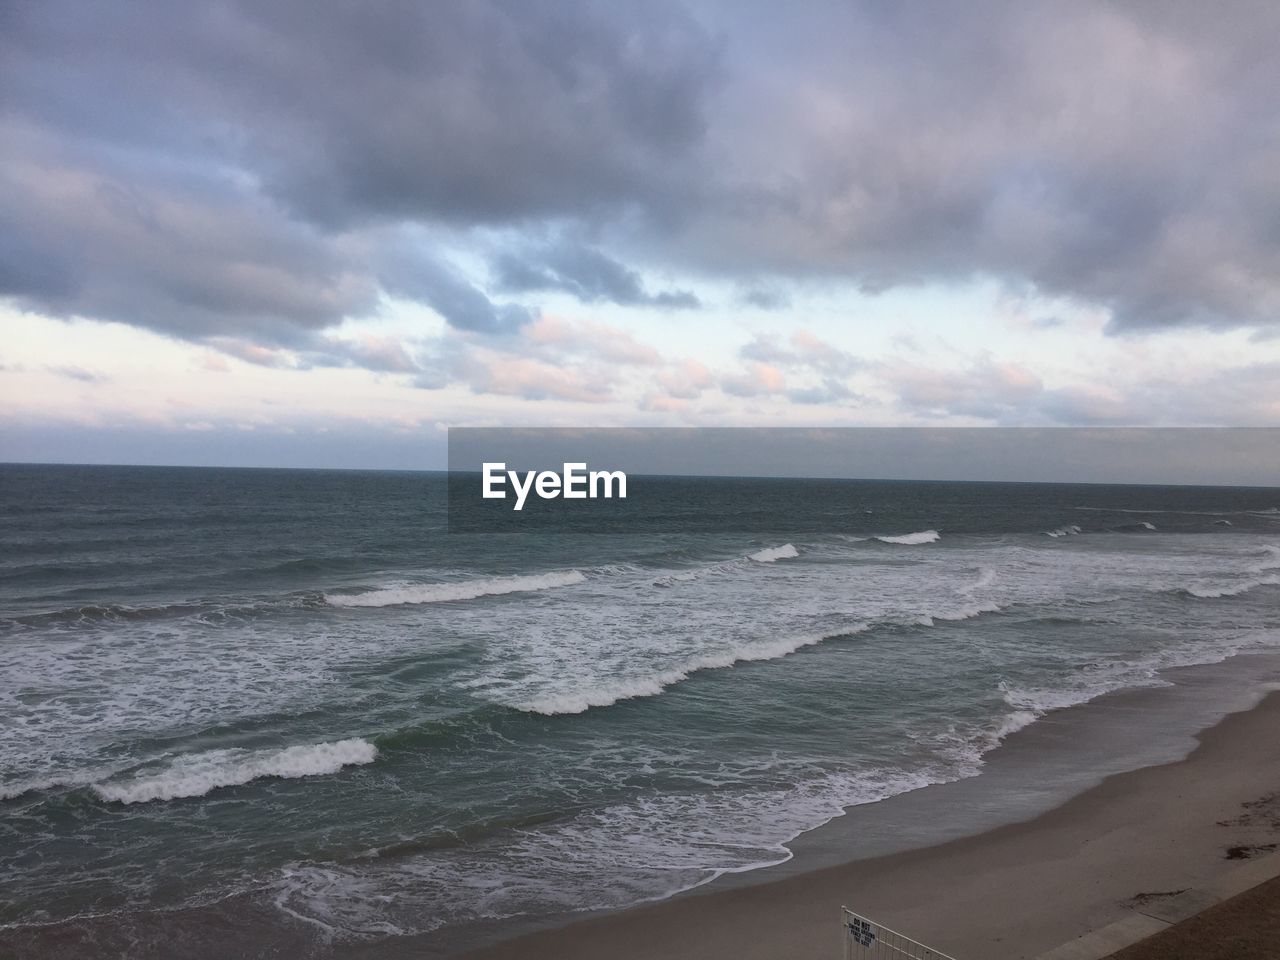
<point x="1246" y="927"/>
<point x="1011" y="892"/>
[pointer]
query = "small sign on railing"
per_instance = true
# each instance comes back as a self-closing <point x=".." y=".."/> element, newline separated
<point x="865" y="939"/>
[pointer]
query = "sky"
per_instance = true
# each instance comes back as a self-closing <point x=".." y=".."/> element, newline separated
<point x="319" y="235"/>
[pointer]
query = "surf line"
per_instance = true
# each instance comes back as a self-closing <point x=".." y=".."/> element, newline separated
<point x="574" y="483"/>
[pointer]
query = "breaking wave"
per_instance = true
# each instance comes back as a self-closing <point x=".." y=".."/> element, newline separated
<point x="459" y="590"/>
<point x="607" y="694"/>
<point x="201" y="773"/>
<point x="912" y="539"/>
<point x="68" y="781"/>
<point x="1070" y="530"/>
<point x="770" y="554"/>
<point x="960" y="613"/>
<point x="1233" y="590"/>
<point x="767" y="555"/>
<point x="1272" y="561"/>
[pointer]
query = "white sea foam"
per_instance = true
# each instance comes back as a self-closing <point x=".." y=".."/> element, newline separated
<point x="655" y="845"/>
<point x="912" y="539"/>
<point x="65" y="781"/>
<point x="1124" y="674"/>
<point x="1070" y="530"/>
<point x="986" y="577"/>
<point x="458" y="590"/>
<point x="198" y="774"/>
<point x="770" y="554"/>
<point x="1270" y="561"/>
<point x="767" y="555"/>
<point x="1210" y="592"/>
<point x="608" y="693"/>
<point x="959" y="613"/>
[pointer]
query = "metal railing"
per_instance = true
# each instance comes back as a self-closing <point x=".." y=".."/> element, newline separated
<point x="867" y="940"/>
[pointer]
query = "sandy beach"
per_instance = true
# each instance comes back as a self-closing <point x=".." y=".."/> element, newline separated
<point x="1012" y="892"/>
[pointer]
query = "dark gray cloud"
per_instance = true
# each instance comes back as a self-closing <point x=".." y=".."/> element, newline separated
<point x="766" y="298"/>
<point x="1122" y="155"/>
<point x="189" y="256"/>
<point x="585" y="273"/>
<point x="234" y="169"/>
<point x="463" y="305"/>
<point x="476" y="112"/>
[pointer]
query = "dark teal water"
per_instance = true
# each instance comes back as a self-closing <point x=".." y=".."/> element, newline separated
<point x="298" y="686"/>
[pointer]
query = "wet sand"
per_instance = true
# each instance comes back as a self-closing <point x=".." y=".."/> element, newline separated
<point x="1010" y="892"/>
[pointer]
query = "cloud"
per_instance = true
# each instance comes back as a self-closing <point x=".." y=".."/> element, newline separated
<point x="685" y="380"/>
<point x="253" y="353"/>
<point x="802" y="350"/>
<point x="477" y="112"/>
<point x="1111" y="154"/>
<point x="1008" y="393"/>
<point x="305" y="162"/>
<point x="185" y="256"/>
<point x="585" y="273"/>
<point x="249" y="202"/>
<point x="78" y="373"/>
<point x="830" y="391"/>
<point x="759" y="379"/>
<point x="766" y="298"/>
<point x="827" y="367"/>
<point x="214" y="363"/>
<point x="530" y="379"/>
<point x="381" y="354"/>
<point x="554" y="336"/>
<point x="987" y="389"/>
<point x="462" y="305"/>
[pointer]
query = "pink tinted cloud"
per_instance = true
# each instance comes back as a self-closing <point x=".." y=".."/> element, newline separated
<point x="251" y="352"/>
<point x="759" y="379"/>
<point x="685" y="380"/>
<point x="589" y="338"/>
<point x="215" y="363"/>
<point x="987" y="388"/>
<point x="384" y="354"/>
<point x="533" y="379"/>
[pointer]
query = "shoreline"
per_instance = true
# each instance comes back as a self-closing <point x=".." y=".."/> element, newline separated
<point x="1004" y="892"/>
<point x="942" y="863"/>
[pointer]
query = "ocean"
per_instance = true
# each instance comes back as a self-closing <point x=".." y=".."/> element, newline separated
<point x="297" y="689"/>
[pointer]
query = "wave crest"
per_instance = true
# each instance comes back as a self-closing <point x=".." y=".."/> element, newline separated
<point x="201" y="773"/>
<point x="960" y="613"/>
<point x="770" y="554"/>
<point x="1271" y="562"/>
<point x="1207" y="592"/>
<point x="459" y="590"/>
<point x="607" y="694"/>
<point x="912" y="539"/>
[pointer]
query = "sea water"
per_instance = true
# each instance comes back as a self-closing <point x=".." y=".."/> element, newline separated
<point x="296" y="686"/>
